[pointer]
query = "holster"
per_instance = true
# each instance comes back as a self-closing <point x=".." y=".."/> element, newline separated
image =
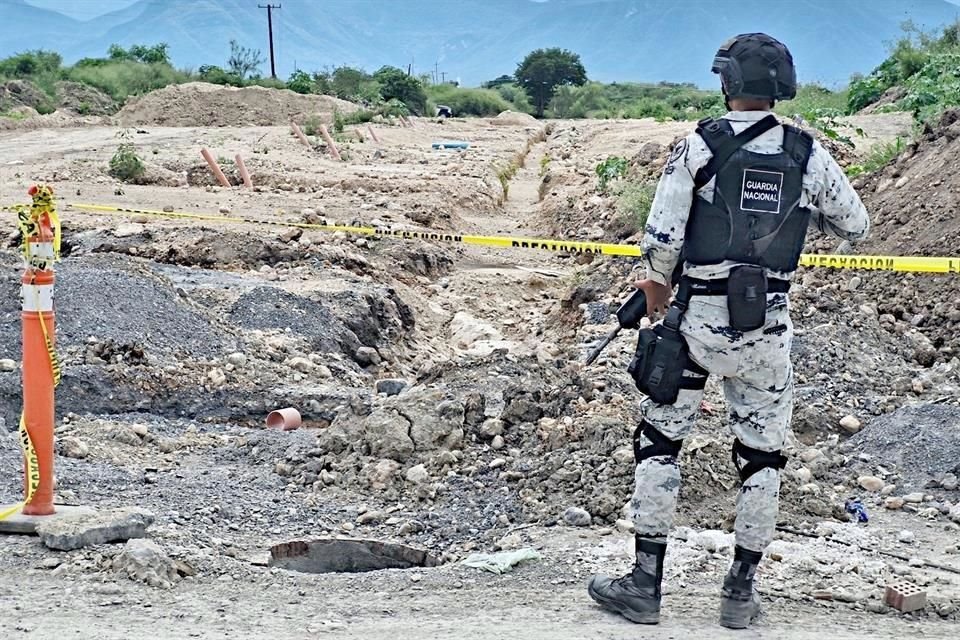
<point x="747" y="297"/>
<point x="661" y="357"/>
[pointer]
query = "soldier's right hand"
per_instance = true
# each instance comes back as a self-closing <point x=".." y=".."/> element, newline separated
<point x="658" y="295"/>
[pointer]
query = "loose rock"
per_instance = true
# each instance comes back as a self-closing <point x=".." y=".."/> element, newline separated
<point x="367" y="356"/>
<point x="850" y="424"/>
<point x="418" y="474"/>
<point x="76" y="532"/>
<point x="894" y="503"/>
<point x="145" y="561"/>
<point x="73" y="447"/>
<point x="391" y="386"/>
<point x="577" y="517"/>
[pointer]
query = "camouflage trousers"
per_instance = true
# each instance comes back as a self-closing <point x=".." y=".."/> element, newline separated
<point x="758" y="387"/>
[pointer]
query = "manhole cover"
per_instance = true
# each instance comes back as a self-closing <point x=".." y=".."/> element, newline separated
<point x="347" y="556"/>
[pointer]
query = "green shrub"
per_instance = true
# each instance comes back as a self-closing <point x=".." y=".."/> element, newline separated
<point x="613" y="168"/>
<point x="865" y="91"/>
<point x="649" y="108"/>
<point x="42" y="68"/>
<point x="215" y="75"/>
<point x="125" y="78"/>
<point x="927" y="66"/>
<point x="397" y="85"/>
<point x="346" y="82"/>
<point x="125" y="165"/>
<point x="30" y="64"/>
<point x="301" y="82"/>
<point x="506" y="172"/>
<point x="934" y="88"/>
<point x="516" y="96"/>
<point x="361" y="116"/>
<point x="269" y="83"/>
<point x="468" y="102"/>
<point x="633" y="208"/>
<point x="16" y="116"/>
<point x="813" y="98"/>
<point x="880" y="155"/>
<point x="311" y="126"/>
<point x="544" y="165"/>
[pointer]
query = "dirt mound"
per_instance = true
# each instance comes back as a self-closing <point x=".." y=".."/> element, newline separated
<point x="20" y="93"/>
<point x="84" y="100"/>
<point x="913" y="200"/>
<point x="201" y="104"/>
<point x="890" y="96"/>
<point x="514" y="118"/>
<point x="912" y="203"/>
<point x="914" y="441"/>
<point x="137" y="307"/>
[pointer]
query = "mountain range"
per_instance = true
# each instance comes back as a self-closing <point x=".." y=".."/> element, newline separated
<point x="477" y="40"/>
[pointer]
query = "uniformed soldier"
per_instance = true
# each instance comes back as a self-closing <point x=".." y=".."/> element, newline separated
<point x="732" y="209"/>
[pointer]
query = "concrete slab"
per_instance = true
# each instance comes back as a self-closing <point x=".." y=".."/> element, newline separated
<point x="27" y="525"/>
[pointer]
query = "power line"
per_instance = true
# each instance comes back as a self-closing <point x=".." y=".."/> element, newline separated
<point x="270" y="8"/>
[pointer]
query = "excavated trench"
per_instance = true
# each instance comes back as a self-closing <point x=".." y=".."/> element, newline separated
<point x="347" y="556"/>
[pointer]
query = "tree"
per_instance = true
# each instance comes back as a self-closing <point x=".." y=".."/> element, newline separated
<point x="301" y="82"/>
<point x="322" y="82"/>
<point x="157" y="54"/>
<point x="31" y="63"/>
<point x="395" y="84"/>
<point x="498" y="81"/>
<point x="543" y="70"/>
<point x="244" y="62"/>
<point x="345" y="82"/>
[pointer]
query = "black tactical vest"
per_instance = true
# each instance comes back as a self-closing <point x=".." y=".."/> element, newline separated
<point x="755" y="217"/>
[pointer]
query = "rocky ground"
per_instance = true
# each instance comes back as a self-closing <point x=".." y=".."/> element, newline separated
<point x="443" y="401"/>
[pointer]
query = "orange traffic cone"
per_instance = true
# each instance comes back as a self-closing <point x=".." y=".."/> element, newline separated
<point x="41" y="371"/>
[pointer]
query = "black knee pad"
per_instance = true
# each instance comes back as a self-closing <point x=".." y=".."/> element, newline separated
<point x="757" y="460"/>
<point x="660" y="445"/>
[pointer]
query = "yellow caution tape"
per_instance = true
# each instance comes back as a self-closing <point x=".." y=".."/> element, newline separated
<point x="29" y="218"/>
<point x="32" y="470"/>
<point x="569" y="246"/>
<point x="916" y="264"/>
<point x="31" y="464"/>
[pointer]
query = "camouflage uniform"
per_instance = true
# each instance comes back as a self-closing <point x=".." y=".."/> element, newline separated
<point x="755" y="366"/>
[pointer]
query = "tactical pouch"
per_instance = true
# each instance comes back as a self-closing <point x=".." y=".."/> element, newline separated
<point x="658" y="365"/>
<point x="747" y="297"/>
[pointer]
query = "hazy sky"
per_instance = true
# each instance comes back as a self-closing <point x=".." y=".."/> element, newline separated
<point x="88" y="9"/>
<point x="85" y="9"/>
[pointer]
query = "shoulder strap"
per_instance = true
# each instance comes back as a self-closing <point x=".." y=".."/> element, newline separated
<point x="798" y="144"/>
<point x="728" y="145"/>
<point x="714" y="131"/>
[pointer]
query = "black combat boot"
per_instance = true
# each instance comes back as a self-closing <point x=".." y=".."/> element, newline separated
<point x="636" y="596"/>
<point x="739" y="602"/>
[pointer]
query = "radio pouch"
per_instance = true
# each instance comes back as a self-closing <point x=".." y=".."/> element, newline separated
<point x="747" y="297"/>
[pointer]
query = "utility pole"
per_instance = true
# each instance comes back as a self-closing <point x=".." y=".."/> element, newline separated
<point x="444" y="75"/>
<point x="270" y="8"/>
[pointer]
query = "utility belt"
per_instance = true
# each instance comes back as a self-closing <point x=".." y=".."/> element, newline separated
<point x="662" y="358"/>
